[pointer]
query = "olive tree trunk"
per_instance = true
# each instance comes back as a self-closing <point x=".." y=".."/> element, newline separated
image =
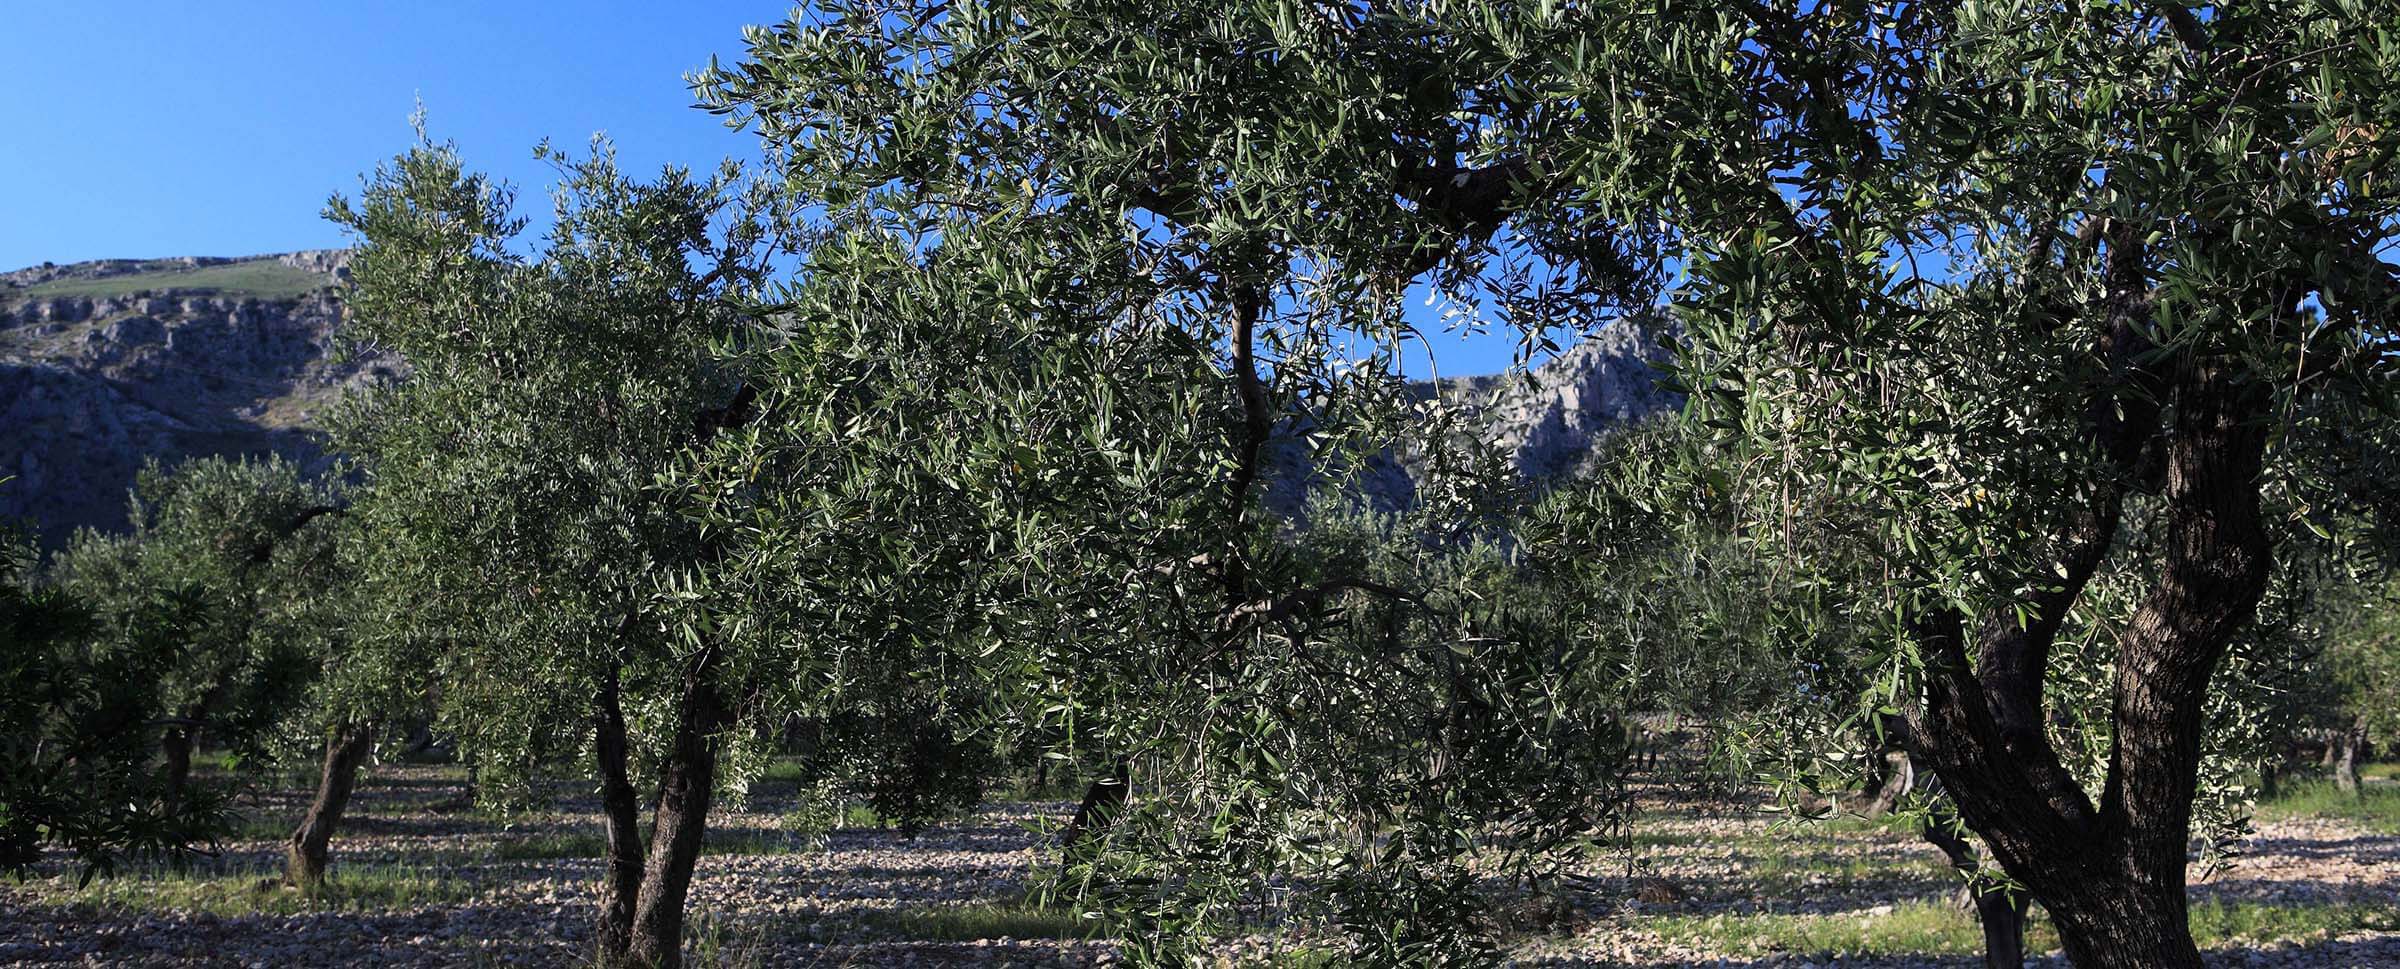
<point x="175" y="774"/>
<point x="2001" y="912"/>
<point x="620" y="814"/>
<point x="2111" y="874"/>
<point x="2345" y="766"/>
<point x="687" y="781"/>
<point x="345" y="750"/>
<point x="1893" y="776"/>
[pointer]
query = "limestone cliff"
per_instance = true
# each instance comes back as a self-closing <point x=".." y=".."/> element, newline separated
<point x="1548" y="419"/>
<point x="104" y="365"/>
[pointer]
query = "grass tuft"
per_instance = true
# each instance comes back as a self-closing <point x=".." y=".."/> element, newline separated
<point x="260" y="891"/>
<point x="1927" y="928"/>
<point x="1915" y="928"/>
<point x="1017" y="918"/>
<point x="2375" y="808"/>
<point x="2216" y="923"/>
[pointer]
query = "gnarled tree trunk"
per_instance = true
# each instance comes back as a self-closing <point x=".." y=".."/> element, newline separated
<point x="620" y="811"/>
<point x="1890" y="782"/>
<point x="2111" y="874"/>
<point x="687" y="781"/>
<point x="2345" y="766"/>
<point x="175" y="749"/>
<point x="345" y="750"/>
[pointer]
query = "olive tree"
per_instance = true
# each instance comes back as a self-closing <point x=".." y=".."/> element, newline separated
<point x="372" y="668"/>
<point x="2040" y="296"/>
<point x="2362" y="674"/>
<point x="218" y="545"/>
<point x="1100" y="278"/>
<point x="2005" y="283"/>
<point x="516" y="520"/>
<point x="78" y="730"/>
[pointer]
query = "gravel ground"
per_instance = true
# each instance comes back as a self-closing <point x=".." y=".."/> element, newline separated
<point x="852" y="904"/>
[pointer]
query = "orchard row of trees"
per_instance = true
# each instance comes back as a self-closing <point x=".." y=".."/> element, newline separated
<point x="2041" y="377"/>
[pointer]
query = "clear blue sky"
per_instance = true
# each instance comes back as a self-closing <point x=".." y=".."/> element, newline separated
<point x="139" y="129"/>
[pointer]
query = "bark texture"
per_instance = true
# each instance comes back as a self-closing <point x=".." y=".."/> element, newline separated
<point x="2111" y="874"/>
<point x="620" y="810"/>
<point x="1894" y="775"/>
<point x="2345" y="766"/>
<point x="687" y="782"/>
<point x="345" y="751"/>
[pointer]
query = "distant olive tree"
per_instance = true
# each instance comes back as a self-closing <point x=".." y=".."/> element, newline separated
<point x="2362" y="671"/>
<point x="78" y="731"/>
<point x="514" y="526"/>
<point x="218" y="546"/>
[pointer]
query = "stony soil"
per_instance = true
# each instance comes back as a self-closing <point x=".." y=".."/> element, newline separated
<point x="854" y="902"/>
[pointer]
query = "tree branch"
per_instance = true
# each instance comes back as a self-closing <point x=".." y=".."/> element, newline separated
<point x="1279" y="609"/>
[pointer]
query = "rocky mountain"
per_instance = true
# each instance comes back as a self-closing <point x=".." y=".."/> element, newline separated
<point x="104" y="365"/>
<point x="1548" y="419"/>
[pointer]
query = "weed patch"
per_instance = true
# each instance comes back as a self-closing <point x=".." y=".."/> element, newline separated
<point x="260" y="891"/>
<point x="2375" y="808"/>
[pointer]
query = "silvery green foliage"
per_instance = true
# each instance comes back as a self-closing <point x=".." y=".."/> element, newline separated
<point x="181" y="624"/>
<point x="2053" y="332"/>
<point x="1083" y="282"/>
<point x="76" y="739"/>
<point x="513" y="534"/>
<point x="224" y="548"/>
<point x="2362" y="630"/>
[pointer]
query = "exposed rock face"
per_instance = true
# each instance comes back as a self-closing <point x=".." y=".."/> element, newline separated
<point x="104" y="365"/>
<point x="1547" y="422"/>
<point x="1549" y="419"/>
<point x="95" y="379"/>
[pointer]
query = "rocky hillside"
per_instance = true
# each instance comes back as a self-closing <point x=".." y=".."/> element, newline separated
<point x="1547" y="421"/>
<point x="104" y="365"/>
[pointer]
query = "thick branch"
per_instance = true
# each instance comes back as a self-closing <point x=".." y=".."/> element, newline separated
<point x="1956" y="733"/>
<point x="266" y="549"/>
<point x="1469" y="203"/>
<point x="2217" y="562"/>
<point x="740" y="410"/>
<point x="1249" y="304"/>
<point x="2121" y="414"/>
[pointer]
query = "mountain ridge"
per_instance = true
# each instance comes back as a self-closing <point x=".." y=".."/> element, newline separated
<point x="107" y="364"/>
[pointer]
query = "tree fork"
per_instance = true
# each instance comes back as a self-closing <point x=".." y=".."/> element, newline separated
<point x="2113" y="880"/>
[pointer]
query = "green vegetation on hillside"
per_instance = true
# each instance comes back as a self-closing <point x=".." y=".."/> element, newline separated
<point x="264" y="278"/>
